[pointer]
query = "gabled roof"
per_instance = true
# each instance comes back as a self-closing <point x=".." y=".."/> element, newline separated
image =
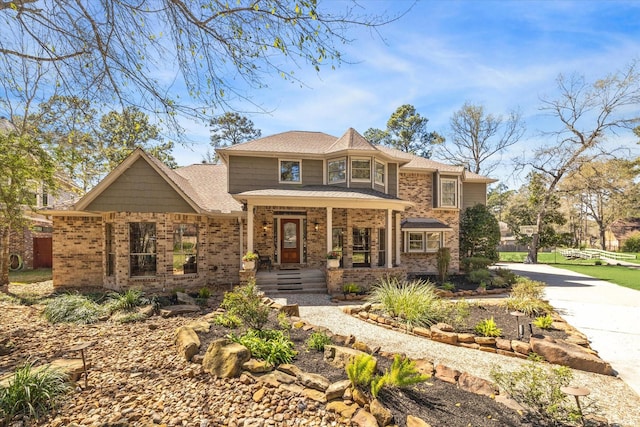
<point x="474" y="177"/>
<point x="351" y="140"/>
<point x="622" y="228"/>
<point x="203" y="187"/>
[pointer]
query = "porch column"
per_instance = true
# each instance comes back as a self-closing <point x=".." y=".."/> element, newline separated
<point x="249" y="227"/>
<point x="389" y="242"/>
<point x="398" y="239"/>
<point x="241" y="228"/>
<point x="329" y="229"/>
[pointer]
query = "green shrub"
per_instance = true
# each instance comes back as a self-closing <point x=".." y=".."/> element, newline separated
<point x="126" y="301"/>
<point x="448" y="286"/>
<point x="443" y="259"/>
<point x="415" y="302"/>
<point x="475" y="263"/>
<point x="499" y="282"/>
<point x="351" y="288"/>
<point x="537" y="389"/>
<point x="283" y="321"/>
<point x="509" y="276"/>
<point x="543" y="322"/>
<point x="488" y="328"/>
<point x="131" y="318"/>
<point x="272" y="346"/>
<point x="204" y="293"/>
<point x="245" y="302"/>
<point x="403" y="373"/>
<point x="317" y="341"/>
<point x="632" y="244"/>
<point x="479" y="276"/>
<point x="227" y="320"/>
<point x="529" y="306"/>
<point x="32" y="392"/>
<point x="72" y="308"/>
<point x="527" y="288"/>
<point x="360" y="370"/>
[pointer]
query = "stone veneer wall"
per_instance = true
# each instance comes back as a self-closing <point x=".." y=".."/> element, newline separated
<point x="417" y="187"/>
<point x="79" y="246"/>
<point x="77" y="251"/>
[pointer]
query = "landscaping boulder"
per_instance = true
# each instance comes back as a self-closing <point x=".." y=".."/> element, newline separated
<point x="364" y="418"/>
<point x="446" y="374"/>
<point x="416" y="422"/>
<point x="201" y="326"/>
<point x="314" y="381"/>
<point x="177" y="310"/>
<point x="381" y="414"/>
<point x="340" y="356"/>
<point x="336" y="390"/>
<point x="187" y="342"/>
<point x="439" y="335"/>
<point x="224" y="359"/>
<point x="476" y="385"/>
<point x="567" y="354"/>
<point x="290" y="310"/>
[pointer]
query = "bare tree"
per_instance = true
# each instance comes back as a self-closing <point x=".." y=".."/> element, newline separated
<point x="588" y="114"/>
<point x="478" y="137"/>
<point x="137" y="53"/>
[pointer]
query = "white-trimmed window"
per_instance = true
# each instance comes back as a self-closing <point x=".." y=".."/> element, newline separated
<point x="337" y="170"/>
<point x="379" y="173"/>
<point x="422" y="241"/>
<point x="142" y="249"/>
<point x="360" y="169"/>
<point x="448" y="193"/>
<point x="290" y="171"/>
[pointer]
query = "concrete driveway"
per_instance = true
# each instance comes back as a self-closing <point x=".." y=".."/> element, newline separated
<point x="608" y="314"/>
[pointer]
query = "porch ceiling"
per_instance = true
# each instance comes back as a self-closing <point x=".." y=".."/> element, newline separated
<point x="323" y="196"/>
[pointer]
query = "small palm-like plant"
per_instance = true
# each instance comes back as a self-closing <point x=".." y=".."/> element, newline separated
<point x="543" y="322"/>
<point x="361" y="370"/>
<point x="488" y="328"/>
<point x="403" y="373"/>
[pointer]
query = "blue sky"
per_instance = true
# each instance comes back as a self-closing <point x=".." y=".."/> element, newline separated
<point x="502" y="54"/>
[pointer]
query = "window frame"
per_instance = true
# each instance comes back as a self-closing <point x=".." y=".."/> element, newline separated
<point x="426" y="247"/>
<point x="153" y="255"/>
<point x="375" y="172"/>
<point x="280" y="162"/>
<point x="360" y="159"/>
<point x="186" y="254"/>
<point x="421" y="240"/>
<point x="343" y="160"/>
<point x="444" y="181"/>
<point x="110" y="249"/>
<point x="366" y="236"/>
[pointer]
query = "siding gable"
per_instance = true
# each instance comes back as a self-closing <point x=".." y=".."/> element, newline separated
<point x="139" y="189"/>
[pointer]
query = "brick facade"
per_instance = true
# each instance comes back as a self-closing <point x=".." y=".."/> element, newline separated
<point x="80" y="260"/>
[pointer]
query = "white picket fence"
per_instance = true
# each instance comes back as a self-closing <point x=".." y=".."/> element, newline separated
<point x="594" y="254"/>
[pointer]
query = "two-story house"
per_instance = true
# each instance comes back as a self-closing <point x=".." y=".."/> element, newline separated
<point x="292" y="197"/>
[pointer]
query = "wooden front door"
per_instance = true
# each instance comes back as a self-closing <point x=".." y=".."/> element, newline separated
<point x="42" y="253"/>
<point x="290" y="241"/>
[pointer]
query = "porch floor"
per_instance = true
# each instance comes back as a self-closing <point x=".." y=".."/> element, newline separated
<point x="307" y="280"/>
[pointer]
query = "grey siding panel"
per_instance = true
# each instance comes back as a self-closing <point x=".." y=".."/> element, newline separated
<point x="312" y="172"/>
<point x="392" y="180"/>
<point x="140" y="189"/>
<point x="252" y="173"/>
<point x="473" y="193"/>
<point x="360" y="184"/>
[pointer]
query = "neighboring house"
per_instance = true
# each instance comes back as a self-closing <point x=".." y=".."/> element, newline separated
<point x="619" y="231"/>
<point x="292" y="197"/>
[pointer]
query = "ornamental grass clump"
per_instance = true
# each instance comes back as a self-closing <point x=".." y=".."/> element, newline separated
<point x="126" y="301"/>
<point x="525" y="296"/>
<point x="73" y="308"/>
<point x="32" y="392"/>
<point x="414" y="302"/>
<point x="317" y="341"/>
<point x="403" y="373"/>
<point x="273" y="346"/>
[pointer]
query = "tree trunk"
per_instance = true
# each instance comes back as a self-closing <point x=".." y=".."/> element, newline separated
<point x="4" y="259"/>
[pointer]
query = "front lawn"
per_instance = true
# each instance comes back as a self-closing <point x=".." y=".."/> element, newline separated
<point x="25" y="277"/>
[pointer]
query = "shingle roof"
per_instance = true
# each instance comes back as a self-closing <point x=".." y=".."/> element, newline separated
<point x="474" y="177"/>
<point x="423" y="223"/>
<point x="211" y="184"/>
<point x="322" y="191"/>
<point x="622" y="228"/>
<point x="351" y="140"/>
<point x="301" y="142"/>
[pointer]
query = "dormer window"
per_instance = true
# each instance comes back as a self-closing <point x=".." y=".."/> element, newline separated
<point x="290" y="171"/>
<point x="361" y="169"/>
<point x="379" y="175"/>
<point x="337" y="171"/>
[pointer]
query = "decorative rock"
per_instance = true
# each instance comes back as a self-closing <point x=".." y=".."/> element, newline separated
<point x="487" y="349"/>
<point x="364" y="419"/>
<point x="315" y="395"/>
<point x="446" y="374"/>
<point x="424" y="366"/>
<point x="258" y="395"/>
<point x="290" y="369"/>
<point x="185" y="299"/>
<point x="416" y="422"/>
<point x="224" y="359"/>
<point x="466" y="338"/>
<point x="445" y="327"/>
<point x="73" y="368"/>
<point x="359" y="397"/>
<point x="443" y="336"/>
<point x="201" y="326"/>
<point x="359" y="345"/>
<point x="314" y="381"/>
<point x="336" y="390"/>
<point x="340" y="356"/>
<point x="177" y="310"/>
<point x="187" y="342"/>
<point x="505" y="353"/>
<point x="476" y="385"/>
<point x="342" y="408"/>
<point x="509" y="402"/>
<point x="290" y="310"/>
<point x="485" y="341"/>
<point x="503" y="344"/>
<point x="256" y="366"/>
<point x="520" y="347"/>
<point x="423" y="332"/>
<point x="381" y="414"/>
<point x="567" y="354"/>
<point x="147" y="310"/>
<point x="471" y="345"/>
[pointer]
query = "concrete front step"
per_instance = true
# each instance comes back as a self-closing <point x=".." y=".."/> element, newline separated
<point x="287" y="281"/>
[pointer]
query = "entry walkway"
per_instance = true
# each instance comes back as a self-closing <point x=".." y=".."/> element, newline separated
<point x="608" y="314"/>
